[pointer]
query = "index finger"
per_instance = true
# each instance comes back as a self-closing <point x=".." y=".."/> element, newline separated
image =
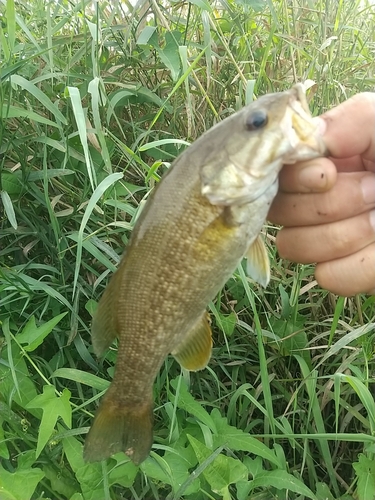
<point x="351" y="130"/>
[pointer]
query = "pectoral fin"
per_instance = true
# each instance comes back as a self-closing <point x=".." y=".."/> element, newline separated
<point x="103" y="329"/>
<point x="258" y="263"/>
<point x="195" y="351"/>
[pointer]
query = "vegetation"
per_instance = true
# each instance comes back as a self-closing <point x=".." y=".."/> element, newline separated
<point x="97" y="98"/>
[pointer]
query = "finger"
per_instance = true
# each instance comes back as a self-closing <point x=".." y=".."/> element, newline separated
<point x="309" y="176"/>
<point x="327" y="241"/>
<point x="352" y="164"/>
<point x="350" y="275"/>
<point x="350" y="129"/>
<point x="352" y="194"/>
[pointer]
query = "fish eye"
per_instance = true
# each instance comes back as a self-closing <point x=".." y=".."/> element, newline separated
<point x="257" y="119"/>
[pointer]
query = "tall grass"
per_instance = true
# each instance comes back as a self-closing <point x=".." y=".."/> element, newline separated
<point x="97" y="99"/>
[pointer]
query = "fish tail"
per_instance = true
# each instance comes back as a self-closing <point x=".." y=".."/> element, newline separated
<point x="120" y="427"/>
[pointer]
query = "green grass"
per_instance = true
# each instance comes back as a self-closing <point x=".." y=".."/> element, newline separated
<point x="96" y="99"/>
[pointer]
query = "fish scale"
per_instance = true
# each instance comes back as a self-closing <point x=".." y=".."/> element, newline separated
<point x="204" y="216"/>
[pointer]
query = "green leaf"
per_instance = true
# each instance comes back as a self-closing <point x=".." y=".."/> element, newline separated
<point x="82" y="377"/>
<point x="49" y="174"/>
<point x="310" y="380"/>
<point x="6" y="495"/>
<point x="73" y="450"/>
<point x="18" y="377"/>
<point x="293" y="335"/>
<point x="286" y="309"/>
<point x="172" y="469"/>
<point x="97" y="96"/>
<point x="365" y="471"/>
<point x="89" y="476"/>
<point x="11" y="23"/>
<point x="4" y="453"/>
<point x="161" y="142"/>
<point x="146" y="95"/>
<point x="12" y="68"/>
<point x="123" y="473"/>
<point x="257" y="5"/>
<point x="40" y="96"/>
<point x="16" y="112"/>
<point x="146" y="36"/>
<point x="10" y="182"/>
<point x="34" y="336"/>
<point x="26" y="460"/>
<point x="364" y="395"/>
<point x="227" y="322"/>
<point x="344" y="341"/>
<point x="91" y="306"/>
<point x="80" y="117"/>
<point x="281" y="480"/>
<point x="19" y="485"/>
<point x="61" y="481"/>
<point x="120" y="205"/>
<point x="8" y="208"/>
<point x="323" y="491"/>
<point x="236" y="439"/>
<point x="37" y="285"/>
<point x="96" y="195"/>
<point x="170" y="55"/>
<point x="185" y="401"/>
<point x="89" y="245"/>
<point x="222" y="471"/>
<point x="202" y="4"/>
<point x="53" y="407"/>
<point x="120" y="98"/>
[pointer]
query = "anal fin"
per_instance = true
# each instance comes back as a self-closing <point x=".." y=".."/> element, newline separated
<point x="195" y="351"/>
<point x="258" y="263"/>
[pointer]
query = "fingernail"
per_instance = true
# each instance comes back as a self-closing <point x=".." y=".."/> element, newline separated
<point x="313" y="177"/>
<point x="372" y="219"/>
<point x="368" y="188"/>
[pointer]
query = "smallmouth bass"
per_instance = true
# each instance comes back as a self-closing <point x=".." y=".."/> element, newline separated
<point x="198" y="223"/>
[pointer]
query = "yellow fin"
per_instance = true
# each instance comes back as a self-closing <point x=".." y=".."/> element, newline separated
<point x="195" y="351"/>
<point x="258" y="263"/>
<point x="118" y="427"/>
<point x="103" y="328"/>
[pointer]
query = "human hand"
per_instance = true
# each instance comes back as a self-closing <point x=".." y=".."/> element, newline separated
<point x="327" y="205"/>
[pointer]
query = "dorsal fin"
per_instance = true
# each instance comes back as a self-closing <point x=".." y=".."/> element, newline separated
<point x="104" y="325"/>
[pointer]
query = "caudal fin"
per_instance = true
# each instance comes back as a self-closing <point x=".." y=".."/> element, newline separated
<point x="118" y="427"/>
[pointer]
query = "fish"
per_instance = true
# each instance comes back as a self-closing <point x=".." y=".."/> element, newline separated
<point x="201" y="220"/>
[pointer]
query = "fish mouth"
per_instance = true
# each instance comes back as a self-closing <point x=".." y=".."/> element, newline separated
<point x="302" y="130"/>
<point x="248" y="170"/>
